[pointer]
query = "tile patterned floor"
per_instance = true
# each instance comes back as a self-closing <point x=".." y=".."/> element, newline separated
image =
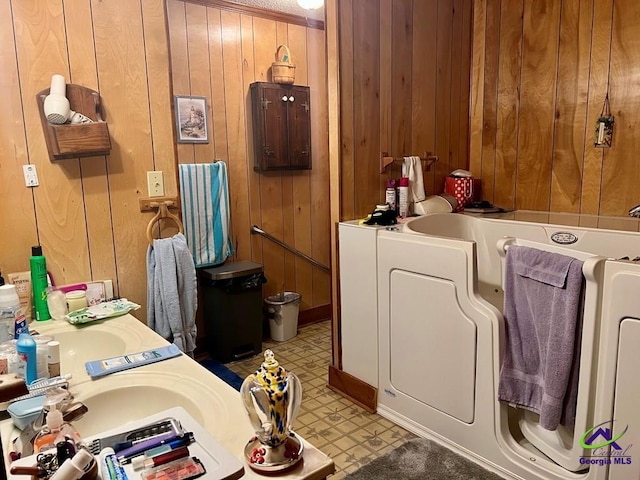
<point x="350" y="435"/>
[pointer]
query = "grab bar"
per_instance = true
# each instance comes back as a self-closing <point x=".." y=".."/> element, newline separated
<point x="255" y="229"/>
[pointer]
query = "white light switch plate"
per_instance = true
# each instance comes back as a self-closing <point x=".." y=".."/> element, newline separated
<point x="30" y="175"/>
<point x="155" y="184"/>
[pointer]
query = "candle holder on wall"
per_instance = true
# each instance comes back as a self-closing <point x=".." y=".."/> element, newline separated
<point x="604" y="126"/>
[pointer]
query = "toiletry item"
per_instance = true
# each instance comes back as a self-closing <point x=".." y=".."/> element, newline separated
<point x="74" y="468"/>
<point x="138" y="462"/>
<point x="110" y="469"/>
<point x="141" y="462"/>
<point x="403" y="197"/>
<point x="76" y="299"/>
<point x="98" y="368"/>
<point x="183" y="469"/>
<point x="12" y="319"/>
<point x="57" y="303"/>
<point x="42" y="352"/>
<point x="390" y="194"/>
<point x="1" y="279"/>
<point x="126" y="455"/>
<point x="39" y="283"/>
<point x="54" y="431"/>
<point x="26" y="348"/>
<point x="53" y="358"/>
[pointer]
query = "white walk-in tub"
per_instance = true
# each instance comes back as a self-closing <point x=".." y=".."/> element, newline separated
<point x="437" y="347"/>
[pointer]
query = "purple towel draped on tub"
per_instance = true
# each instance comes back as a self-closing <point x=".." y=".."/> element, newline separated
<point x="543" y="314"/>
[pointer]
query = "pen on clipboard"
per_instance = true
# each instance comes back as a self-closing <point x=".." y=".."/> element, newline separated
<point x="174" y="441"/>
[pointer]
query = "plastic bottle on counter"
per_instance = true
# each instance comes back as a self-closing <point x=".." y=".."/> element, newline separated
<point x="54" y="431"/>
<point x="39" y="283"/>
<point x="26" y="348"/>
<point x="390" y="194"/>
<point x="53" y="358"/>
<point x="12" y="319"/>
<point x="403" y="197"/>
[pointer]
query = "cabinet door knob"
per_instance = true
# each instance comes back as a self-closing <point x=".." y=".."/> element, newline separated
<point x="284" y="98"/>
<point x="291" y="99"/>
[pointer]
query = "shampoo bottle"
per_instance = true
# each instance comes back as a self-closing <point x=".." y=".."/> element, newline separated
<point x="403" y="197"/>
<point x="26" y="348"/>
<point x="39" y="283"/>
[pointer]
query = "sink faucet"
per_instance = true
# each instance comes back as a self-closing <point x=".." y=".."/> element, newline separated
<point x="635" y="211"/>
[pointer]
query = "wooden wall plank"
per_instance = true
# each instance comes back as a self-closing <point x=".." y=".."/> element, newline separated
<point x="265" y="43"/>
<point x="347" y="111"/>
<point x="537" y="103"/>
<point x="490" y="94"/>
<point x="179" y="55"/>
<point x="199" y="71"/>
<point x="401" y="78"/>
<point x="476" y="103"/>
<point x="123" y="80"/>
<point x="506" y="143"/>
<point x="465" y="84"/>
<point x="456" y="94"/>
<point x="571" y="105"/>
<point x="302" y="183"/>
<point x="598" y="87"/>
<point x="17" y="217"/>
<point x="386" y="58"/>
<point x="625" y="103"/>
<point x="218" y="104"/>
<point x="366" y="66"/>
<point x="423" y="116"/>
<point x="443" y="98"/>
<point x="240" y="192"/>
<point x="60" y="216"/>
<point x="319" y="176"/>
<point x="97" y="202"/>
<point x="288" y="207"/>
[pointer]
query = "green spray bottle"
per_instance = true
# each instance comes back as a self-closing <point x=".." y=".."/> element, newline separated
<point x="39" y="283"/>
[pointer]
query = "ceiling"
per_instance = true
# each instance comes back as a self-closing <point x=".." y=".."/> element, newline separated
<point x="286" y="6"/>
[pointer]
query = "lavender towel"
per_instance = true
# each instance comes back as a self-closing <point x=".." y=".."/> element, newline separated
<point x="543" y="314"/>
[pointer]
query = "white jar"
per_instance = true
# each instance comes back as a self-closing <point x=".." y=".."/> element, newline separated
<point x="42" y="352"/>
<point x="76" y="299"/>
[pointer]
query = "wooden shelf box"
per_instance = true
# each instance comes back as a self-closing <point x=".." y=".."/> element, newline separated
<point x="76" y="140"/>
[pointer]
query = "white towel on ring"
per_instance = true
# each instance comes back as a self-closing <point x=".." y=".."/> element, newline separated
<point x="412" y="168"/>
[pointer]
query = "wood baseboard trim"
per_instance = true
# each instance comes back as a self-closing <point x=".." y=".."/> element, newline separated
<point x="353" y="388"/>
<point x="315" y="314"/>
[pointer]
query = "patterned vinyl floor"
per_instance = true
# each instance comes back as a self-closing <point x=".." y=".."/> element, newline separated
<point x="351" y="436"/>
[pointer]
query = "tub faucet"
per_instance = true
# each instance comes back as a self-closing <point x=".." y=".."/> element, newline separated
<point x="635" y="211"/>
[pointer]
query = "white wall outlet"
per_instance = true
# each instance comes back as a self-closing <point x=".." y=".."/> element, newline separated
<point x="30" y="175"/>
<point x="155" y="184"/>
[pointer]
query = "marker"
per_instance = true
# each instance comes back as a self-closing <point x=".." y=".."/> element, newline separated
<point x="142" y="462"/>
<point x="125" y="456"/>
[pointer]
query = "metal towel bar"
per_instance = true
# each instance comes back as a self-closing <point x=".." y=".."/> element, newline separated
<point x="255" y="229"/>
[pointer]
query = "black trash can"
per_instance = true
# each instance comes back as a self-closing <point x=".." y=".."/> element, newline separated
<point x="232" y="296"/>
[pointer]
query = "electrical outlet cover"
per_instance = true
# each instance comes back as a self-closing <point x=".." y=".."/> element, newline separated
<point x="155" y="184"/>
<point x="30" y="175"/>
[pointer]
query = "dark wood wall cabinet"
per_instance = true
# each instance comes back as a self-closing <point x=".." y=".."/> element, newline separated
<point x="281" y="127"/>
<point x="76" y="140"/>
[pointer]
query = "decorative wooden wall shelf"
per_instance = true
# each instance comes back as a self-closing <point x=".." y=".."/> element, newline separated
<point x="76" y="140"/>
<point x="386" y="161"/>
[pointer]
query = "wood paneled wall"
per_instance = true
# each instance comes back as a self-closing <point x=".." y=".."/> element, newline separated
<point x="218" y="53"/>
<point x="541" y="72"/>
<point x="404" y="90"/>
<point x="85" y="212"/>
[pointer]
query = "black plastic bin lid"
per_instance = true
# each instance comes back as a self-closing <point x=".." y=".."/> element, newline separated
<point x="231" y="270"/>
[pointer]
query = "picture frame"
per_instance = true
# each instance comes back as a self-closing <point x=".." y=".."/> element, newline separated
<point x="191" y="119"/>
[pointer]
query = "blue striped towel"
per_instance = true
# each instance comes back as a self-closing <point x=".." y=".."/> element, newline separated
<point x="204" y="196"/>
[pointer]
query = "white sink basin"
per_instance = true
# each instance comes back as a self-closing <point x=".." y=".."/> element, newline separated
<point x="128" y="396"/>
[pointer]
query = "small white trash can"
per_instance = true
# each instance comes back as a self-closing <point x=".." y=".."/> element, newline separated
<point x="282" y="311"/>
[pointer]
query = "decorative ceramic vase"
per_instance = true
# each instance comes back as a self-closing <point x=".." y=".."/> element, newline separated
<point x="272" y="398"/>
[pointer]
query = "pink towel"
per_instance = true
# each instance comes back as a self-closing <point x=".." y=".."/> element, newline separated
<point x="543" y="314"/>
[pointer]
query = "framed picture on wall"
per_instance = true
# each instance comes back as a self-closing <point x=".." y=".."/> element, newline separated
<point x="191" y="119"/>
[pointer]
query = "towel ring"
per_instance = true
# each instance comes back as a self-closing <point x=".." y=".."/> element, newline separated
<point x="163" y="213"/>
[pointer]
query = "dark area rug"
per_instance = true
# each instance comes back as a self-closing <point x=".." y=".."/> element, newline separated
<point x="422" y="459"/>
<point x="222" y="372"/>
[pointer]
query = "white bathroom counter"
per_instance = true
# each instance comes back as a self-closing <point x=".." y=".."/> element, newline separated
<point x="129" y="395"/>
